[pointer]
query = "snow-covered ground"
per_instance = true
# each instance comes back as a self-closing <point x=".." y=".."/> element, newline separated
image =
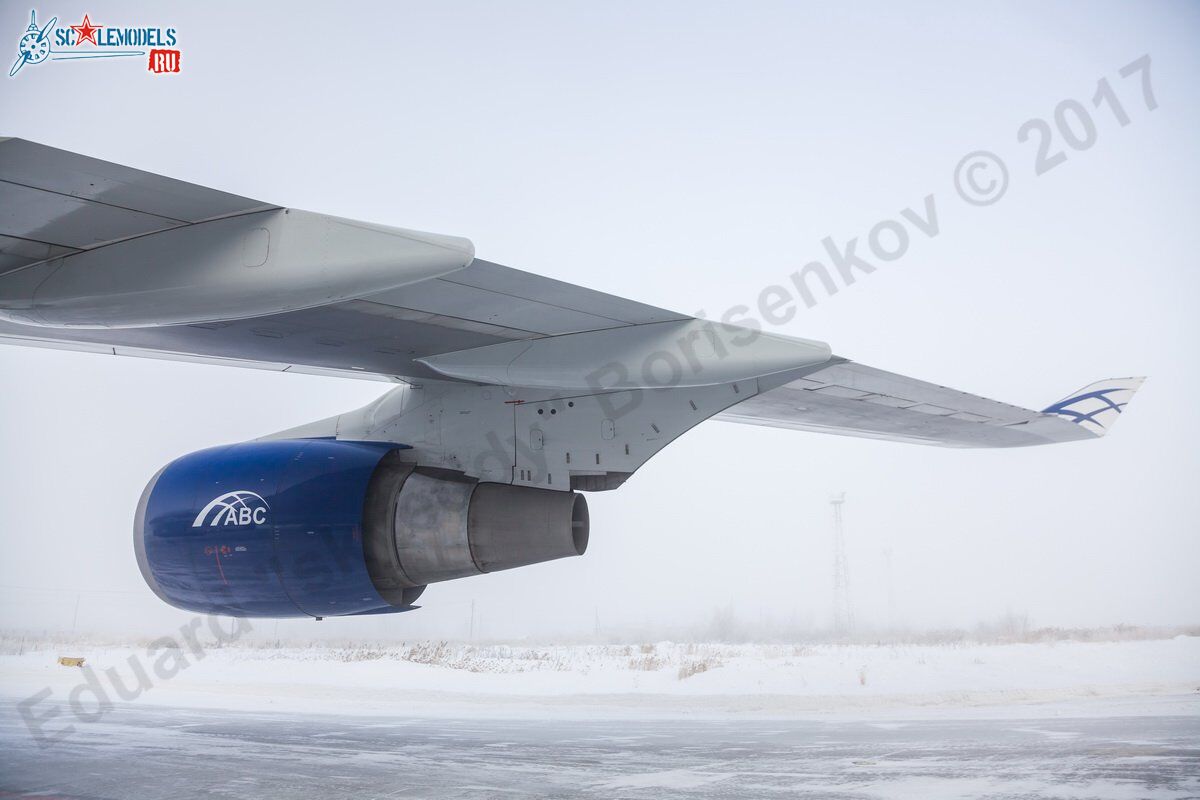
<point x="659" y="679"/>
<point x="1082" y="719"/>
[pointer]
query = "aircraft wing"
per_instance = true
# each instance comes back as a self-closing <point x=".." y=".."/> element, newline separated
<point x="852" y="399"/>
<point x="100" y="257"/>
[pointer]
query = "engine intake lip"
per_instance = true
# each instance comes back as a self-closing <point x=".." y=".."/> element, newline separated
<point x="139" y="541"/>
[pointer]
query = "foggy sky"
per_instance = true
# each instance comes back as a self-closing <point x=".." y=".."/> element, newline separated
<point x="686" y="155"/>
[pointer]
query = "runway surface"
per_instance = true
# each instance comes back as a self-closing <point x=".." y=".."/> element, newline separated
<point x="157" y="752"/>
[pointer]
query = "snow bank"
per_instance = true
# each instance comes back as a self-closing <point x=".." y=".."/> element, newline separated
<point x="662" y="678"/>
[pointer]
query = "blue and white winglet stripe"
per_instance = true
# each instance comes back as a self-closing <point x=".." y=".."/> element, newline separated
<point x="1097" y="406"/>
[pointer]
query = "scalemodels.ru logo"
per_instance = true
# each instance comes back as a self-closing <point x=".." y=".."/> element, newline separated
<point x="54" y="42"/>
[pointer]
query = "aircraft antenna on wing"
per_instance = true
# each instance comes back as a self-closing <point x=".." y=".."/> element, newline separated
<point x="843" y="614"/>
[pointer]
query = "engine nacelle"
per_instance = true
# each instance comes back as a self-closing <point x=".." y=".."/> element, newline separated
<point x="320" y="527"/>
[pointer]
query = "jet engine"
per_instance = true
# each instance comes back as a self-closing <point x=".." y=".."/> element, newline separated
<point x="320" y="527"/>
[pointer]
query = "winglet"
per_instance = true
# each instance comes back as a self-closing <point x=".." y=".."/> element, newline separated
<point x="1096" y="406"/>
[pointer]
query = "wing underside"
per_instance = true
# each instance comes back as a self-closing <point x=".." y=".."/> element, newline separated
<point x="55" y="204"/>
<point x="378" y="336"/>
<point x="852" y="399"/>
<point x="394" y="304"/>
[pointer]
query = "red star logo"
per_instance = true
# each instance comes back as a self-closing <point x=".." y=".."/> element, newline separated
<point x="86" y="32"/>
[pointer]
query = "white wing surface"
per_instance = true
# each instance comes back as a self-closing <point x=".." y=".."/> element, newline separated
<point x="101" y="257"/>
<point x="852" y="399"/>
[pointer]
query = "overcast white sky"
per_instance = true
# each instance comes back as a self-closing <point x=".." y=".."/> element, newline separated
<point x="687" y="155"/>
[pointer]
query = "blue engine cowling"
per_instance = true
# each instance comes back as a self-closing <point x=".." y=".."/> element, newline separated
<point x="265" y="529"/>
<point x="320" y="527"/>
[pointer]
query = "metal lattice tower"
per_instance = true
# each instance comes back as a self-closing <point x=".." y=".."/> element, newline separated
<point x="891" y="588"/>
<point x="843" y="615"/>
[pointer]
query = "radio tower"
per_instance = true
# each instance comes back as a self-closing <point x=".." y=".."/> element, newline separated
<point x="891" y="588"/>
<point x="843" y="616"/>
